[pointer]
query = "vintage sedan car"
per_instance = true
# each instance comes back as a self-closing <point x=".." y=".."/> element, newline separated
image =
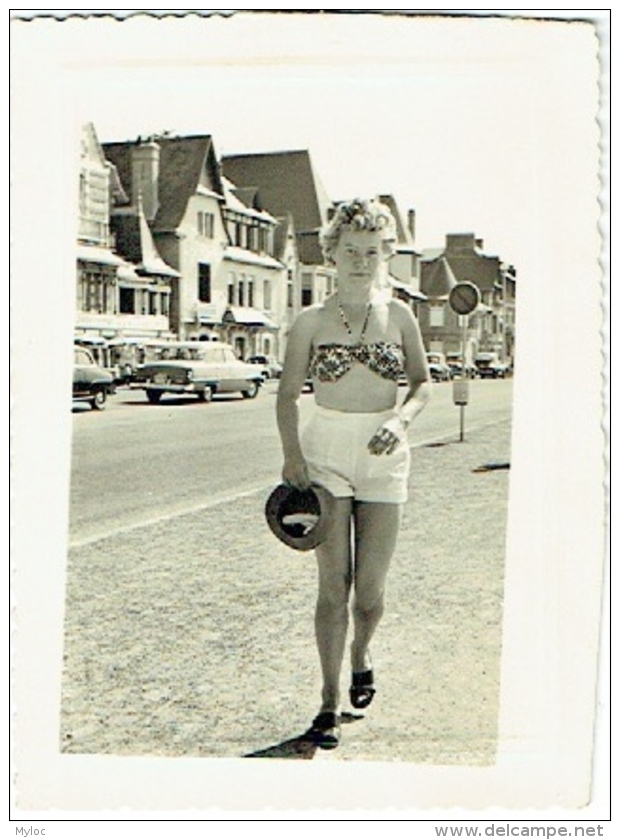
<point x="200" y="368"/>
<point x="454" y="362"/>
<point x="270" y="366"/>
<point x="91" y="383"/>
<point x="438" y="367"/>
<point x="489" y="366"/>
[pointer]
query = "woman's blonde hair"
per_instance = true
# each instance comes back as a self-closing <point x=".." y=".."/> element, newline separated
<point x="359" y="214"/>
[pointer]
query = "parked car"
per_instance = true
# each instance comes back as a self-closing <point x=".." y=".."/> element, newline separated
<point x="438" y="368"/>
<point x="489" y="366"/>
<point x="271" y="367"/>
<point x="101" y="351"/>
<point x="200" y="368"/>
<point x="455" y="364"/>
<point x="91" y="383"/>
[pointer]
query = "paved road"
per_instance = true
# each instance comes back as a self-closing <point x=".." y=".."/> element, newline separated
<point x="135" y="463"/>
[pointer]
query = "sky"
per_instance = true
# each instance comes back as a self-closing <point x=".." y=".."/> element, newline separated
<point x="472" y="122"/>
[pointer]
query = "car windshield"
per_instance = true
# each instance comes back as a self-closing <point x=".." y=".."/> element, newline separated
<point x="82" y="357"/>
<point x="179" y="353"/>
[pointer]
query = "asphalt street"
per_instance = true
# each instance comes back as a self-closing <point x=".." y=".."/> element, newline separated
<point x="136" y="463"/>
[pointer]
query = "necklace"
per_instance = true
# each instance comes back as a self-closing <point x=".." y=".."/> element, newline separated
<point x="347" y="325"/>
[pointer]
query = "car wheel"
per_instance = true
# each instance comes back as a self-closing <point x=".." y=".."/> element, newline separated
<point x="99" y="400"/>
<point x="206" y="395"/>
<point x="251" y="391"/>
<point x="153" y="396"/>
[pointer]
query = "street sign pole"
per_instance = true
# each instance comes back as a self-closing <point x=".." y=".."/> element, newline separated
<point x="463" y="298"/>
<point x="465" y="320"/>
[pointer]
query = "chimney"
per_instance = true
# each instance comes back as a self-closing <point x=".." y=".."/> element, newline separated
<point x="411" y="223"/>
<point x="145" y="177"/>
<point x="463" y="242"/>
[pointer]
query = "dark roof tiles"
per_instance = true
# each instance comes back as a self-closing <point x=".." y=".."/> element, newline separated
<point x="181" y="165"/>
<point x="287" y="182"/>
<point x="437" y="278"/>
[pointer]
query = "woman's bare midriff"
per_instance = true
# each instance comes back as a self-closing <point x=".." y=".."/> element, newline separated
<point x="360" y="390"/>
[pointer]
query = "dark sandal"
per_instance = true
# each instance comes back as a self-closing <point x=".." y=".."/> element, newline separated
<point x="362" y="689"/>
<point x="325" y="730"/>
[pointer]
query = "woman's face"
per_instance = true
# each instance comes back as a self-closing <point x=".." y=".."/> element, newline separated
<point x="358" y="256"/>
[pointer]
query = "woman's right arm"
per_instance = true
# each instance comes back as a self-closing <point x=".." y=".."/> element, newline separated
<point x="294" y="374"/>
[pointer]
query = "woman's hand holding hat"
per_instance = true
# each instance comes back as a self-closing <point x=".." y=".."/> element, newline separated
<point x="295" y="473"/>
<point x="300" y="519"/>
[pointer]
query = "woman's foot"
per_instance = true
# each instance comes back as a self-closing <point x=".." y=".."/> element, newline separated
<point x="325" y="730"/>
<point x="362" y="690"/>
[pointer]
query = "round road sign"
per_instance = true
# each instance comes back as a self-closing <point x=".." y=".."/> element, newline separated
<point x="464" y="298"/>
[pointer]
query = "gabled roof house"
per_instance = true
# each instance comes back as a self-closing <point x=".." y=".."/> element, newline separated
<point x="289" y="187"/>
<point x="404" y="264"/>
<point x="119" y="290"/>
<point x="463" y="259"/>
<point x="215" y="235"/>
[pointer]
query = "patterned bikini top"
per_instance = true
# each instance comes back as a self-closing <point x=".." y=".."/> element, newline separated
<point x="331" y="361"/>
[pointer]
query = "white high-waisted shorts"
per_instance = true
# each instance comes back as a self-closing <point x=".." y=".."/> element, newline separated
<point x="335" y="447"/>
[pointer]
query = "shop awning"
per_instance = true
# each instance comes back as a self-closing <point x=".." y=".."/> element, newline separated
<point x="209" y="314"/>
<point x="236" y="254"/>
<point x="409" y="290"/>
<point x="98" y="254"/>
<point x="159" y="267"/>
<point x="248" y="316"/>
<point x="126" y="271"/>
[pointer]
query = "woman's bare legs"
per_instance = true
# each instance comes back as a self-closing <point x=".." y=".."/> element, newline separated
<point x="376" y="530"/>
<point x="332" y="608"/>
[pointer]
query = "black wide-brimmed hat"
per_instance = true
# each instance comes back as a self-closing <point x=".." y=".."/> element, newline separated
<point x="299" y="518"/>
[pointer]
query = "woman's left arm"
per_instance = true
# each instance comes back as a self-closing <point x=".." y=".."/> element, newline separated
<point x="394" y="430"/>
<point x="416" y="366"/>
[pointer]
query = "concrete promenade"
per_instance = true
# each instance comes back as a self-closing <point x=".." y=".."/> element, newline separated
<point x="194" y="637"/>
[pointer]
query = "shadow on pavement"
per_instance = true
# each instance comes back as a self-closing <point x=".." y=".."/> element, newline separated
<point x="301" y="746"/>
<point x="494" y="465"/>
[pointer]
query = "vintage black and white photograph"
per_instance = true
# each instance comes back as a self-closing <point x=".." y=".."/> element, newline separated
<point x="309" y="506"/>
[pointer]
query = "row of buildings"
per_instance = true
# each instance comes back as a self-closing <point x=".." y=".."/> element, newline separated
<point x="176" y="243"/>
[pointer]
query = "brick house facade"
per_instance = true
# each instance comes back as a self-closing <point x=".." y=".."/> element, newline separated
<point x="491" y="327"/>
